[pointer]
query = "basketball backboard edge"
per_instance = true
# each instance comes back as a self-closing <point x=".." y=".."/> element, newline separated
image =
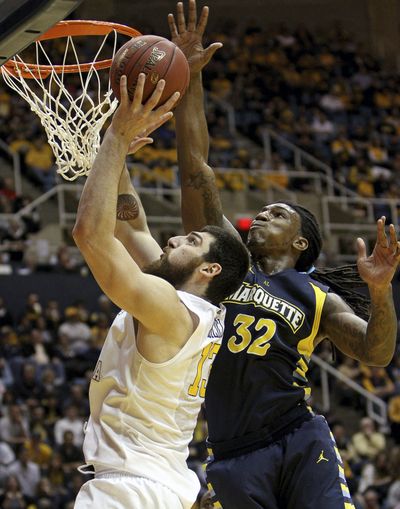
<point x="23" y="21"/>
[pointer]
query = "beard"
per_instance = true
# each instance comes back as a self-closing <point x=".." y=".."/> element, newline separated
<point x="176" y="276"/>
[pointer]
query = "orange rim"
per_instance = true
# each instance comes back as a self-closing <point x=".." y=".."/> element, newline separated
<point x="69" y="28"/>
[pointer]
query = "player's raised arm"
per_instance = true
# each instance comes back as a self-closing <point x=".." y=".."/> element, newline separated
<point x="131" y="226"/>
<point x="112" y="266"/>
<point x="372" y="343"/>
<point x="201" y="203"/>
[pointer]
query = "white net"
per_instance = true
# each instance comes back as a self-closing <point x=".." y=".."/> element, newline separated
<point x="72" y="113"/>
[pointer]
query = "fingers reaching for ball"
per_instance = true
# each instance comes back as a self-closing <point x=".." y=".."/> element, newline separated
<point x="152" y="101"/>
<point x="134" y="118"/>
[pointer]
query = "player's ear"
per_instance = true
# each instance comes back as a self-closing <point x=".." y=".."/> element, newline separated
<point x="300" y="243"/>
<point x="210" y="270"/>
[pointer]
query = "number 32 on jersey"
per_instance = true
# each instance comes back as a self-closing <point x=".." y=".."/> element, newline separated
<point x="244" y="339"/>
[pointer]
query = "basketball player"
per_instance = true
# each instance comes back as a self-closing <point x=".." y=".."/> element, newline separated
<point x="149" y="381"/>
<point x="269" y="450"/>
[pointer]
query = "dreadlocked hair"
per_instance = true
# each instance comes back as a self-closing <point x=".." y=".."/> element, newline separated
<point x="341" y="280"/>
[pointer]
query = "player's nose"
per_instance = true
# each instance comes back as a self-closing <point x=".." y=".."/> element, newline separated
<point x="262" y="216"/>
<point x="175" y="241"/>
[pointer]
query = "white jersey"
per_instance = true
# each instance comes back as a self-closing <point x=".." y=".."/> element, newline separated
<point x="142" y="414"/>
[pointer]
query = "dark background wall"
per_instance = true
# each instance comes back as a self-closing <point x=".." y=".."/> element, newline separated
<point x="68" y="288"/>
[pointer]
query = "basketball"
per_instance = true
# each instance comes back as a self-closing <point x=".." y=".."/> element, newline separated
<point x="156" y="57"/>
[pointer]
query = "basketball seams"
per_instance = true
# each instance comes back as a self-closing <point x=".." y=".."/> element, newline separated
<point x="137" y="68"/>
<point x="159" y="58"/>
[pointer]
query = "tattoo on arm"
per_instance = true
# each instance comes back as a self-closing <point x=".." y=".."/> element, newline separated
<point x="373" y="342"/>
<point x="353" y="334"/>
<point x="209" y="194"/>
<point x="127" y="207"/>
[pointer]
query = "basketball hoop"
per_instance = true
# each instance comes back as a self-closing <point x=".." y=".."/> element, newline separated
<point x="72" y="124"/>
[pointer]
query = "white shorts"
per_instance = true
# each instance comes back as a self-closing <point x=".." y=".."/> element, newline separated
<point x="114" y="491"/>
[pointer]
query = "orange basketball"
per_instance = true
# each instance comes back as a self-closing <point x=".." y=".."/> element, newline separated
<point x="156" y="57"/>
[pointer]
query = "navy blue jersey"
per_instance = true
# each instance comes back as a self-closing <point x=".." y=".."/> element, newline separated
<point x="259" y="374"/>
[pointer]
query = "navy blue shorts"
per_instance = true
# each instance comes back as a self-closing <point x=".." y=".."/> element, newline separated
<point x="302" y="470"/>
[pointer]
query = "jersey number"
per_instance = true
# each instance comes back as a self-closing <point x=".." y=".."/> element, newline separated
<point x="261" y="345"/>
<point x="198" y="387"/>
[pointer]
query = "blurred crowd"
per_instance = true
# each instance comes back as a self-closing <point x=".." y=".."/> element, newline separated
<point x="47" y="357"/>
<point x="321" y="91"/>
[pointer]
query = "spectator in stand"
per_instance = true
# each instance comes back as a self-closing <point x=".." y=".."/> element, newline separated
<point x="377" y="381"/>
<point x="38" y="424"/>
<point x="360" y="178"/>
<point x="31" y="219"/>
<point x="78" y="398"/>
<point x="56" y="474"/>
<point x="368" y="442"/>
<point x="39" y="161"/>
<point x="377" y="153"/>
<point x="66" y="262"/>
<point x="50" y="384"/>
<point x="377" y="475"/>
<point x="33" y="308"/>
<point x="322" y="127"/>
<point x="38" y="451"/>
<point x="71" y="421"/>
<point x="370" y="499"/>
<point x="7" y="456"/>
<point x="70" y="454"/>
<point x="77" y="332"/>
<point x="347" y="396"/>
<point x="27" y="472"/>
<point x="14" y="429"/>
<point x="26" y="388"/>
<point x="13" y="497"/>
<point x="52" y="315"/>
<point x="36" y="348"/>
<point x="14" y="240"/>
<point x="46" y="496"/>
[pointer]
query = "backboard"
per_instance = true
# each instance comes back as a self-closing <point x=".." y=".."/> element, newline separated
<point x="22" y="21"/>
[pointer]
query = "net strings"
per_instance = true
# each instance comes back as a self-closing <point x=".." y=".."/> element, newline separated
<point x="72" y="125"/>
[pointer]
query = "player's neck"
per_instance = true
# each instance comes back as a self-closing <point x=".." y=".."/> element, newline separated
<point x="272" y="264"/>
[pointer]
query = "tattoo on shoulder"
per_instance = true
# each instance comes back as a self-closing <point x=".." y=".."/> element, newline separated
<point x="127" y="207"/>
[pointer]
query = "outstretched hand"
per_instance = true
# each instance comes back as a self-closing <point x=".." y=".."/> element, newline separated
<point x="379" y="268"/>
<point x="188" y="37"/>
<point x="134" y="121"/>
